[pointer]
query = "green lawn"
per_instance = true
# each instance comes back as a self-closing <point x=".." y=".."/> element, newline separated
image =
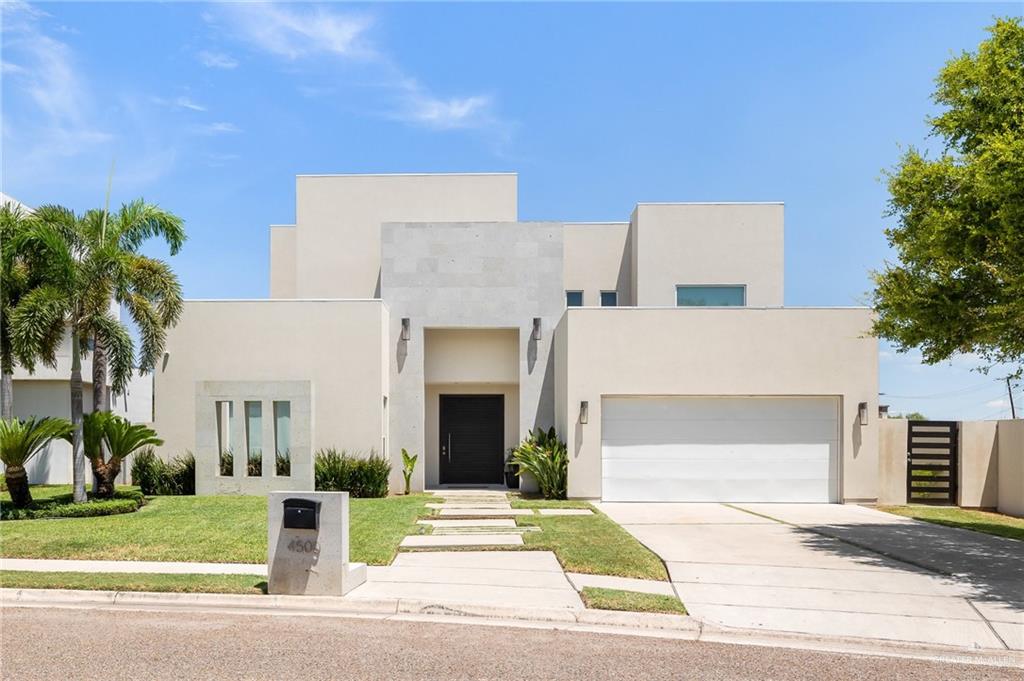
<point x="214" y="584"/>
<point x="591" y="544"/>
<point x="633" y="601"/>
<point x="214" y="529"/>
<point x="950" y="516"/>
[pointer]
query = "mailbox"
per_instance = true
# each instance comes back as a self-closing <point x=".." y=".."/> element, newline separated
<point x="301" y="514"/>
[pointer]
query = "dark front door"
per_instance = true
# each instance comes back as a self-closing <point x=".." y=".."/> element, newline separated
<point x="472" y="439"/>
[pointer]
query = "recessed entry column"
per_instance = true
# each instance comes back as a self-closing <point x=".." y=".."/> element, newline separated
<point x="471" y="415"/>
<point x="471" y="293"/>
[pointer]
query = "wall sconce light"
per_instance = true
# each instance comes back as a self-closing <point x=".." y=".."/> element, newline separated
<point x="862" y="413"/>
<point x="584" y="411"/>
<point x="536" y="328"/>
<point x="406" y="329"/>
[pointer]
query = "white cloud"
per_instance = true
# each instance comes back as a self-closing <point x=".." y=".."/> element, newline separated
<point x="58" y="118"/>
<point x="186" y="103"/>
<point x="219" y="128"/>
<point x="998" y="404"/>
<point x="216" y="60"/>
<point x="293" y="32"/>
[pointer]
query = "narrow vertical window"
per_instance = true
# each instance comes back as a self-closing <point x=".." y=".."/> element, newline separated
<point x="282" y="438"/>
<point x="225" y="459"/>
<point x="254" y="438"/>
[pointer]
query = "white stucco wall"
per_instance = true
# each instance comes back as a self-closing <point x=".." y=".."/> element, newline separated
<point x="701" y="351"/>
<point x="1011" y="467"/>
<point x="715" y="243"/>
<point x="339" y="217"/>
<point x="282" y="261"/>
<point x="335" y="345"/>
<point x="471" y="356"/>
<point x="597" y="258"/>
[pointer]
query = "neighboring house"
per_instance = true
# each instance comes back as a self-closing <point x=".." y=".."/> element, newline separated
<point x="47" y="392"/>
<point x="417" y="312"/>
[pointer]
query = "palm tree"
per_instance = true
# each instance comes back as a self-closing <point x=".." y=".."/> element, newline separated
<point x="146" y="287"/>
<point x="18" y="277"/>
<point x="19" y="442"/>
<point x="121" y="438"/>
<point x="68" y="298"/>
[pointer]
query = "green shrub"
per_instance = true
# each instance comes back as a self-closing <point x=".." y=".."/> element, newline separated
<point x="61" y="506"/>
<point x="254" y="463"/>
<point x="227" y="462"/>
<point x="336" y="471"/>
<point x="283" y="463"/>
<point x="155" y="476"/>
<point x="544" y="456"/>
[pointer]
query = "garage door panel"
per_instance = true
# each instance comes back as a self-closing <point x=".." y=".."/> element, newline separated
<point x="749" y="469"/>
<point x="734" y="490"/>
<point x="718" y="408"/>
<point x="740" y="449"/>
<point x="626" y="431"/>
<point x="750" y="453"/>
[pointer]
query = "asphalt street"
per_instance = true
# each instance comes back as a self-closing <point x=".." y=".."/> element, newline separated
<point x="97" y="644"/>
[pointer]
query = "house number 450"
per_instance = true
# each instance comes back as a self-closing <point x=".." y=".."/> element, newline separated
<point x="299" y="546"/>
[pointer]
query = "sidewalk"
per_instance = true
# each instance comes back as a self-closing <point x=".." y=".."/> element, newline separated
<point x="599" y="621"/>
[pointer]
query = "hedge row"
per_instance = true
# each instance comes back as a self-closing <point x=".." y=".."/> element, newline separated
<point x="124" y="501"/>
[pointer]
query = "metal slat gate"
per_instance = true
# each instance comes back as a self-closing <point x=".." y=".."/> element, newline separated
<point x="932" y="462"/>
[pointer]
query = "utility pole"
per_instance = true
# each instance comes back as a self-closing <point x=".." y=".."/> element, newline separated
<point x="1009" y="391"/>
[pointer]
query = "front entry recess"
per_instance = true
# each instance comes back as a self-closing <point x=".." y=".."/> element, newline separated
<point x="472" y="445"/>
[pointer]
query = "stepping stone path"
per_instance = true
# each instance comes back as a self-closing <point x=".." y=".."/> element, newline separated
<point x="471" y="518"/>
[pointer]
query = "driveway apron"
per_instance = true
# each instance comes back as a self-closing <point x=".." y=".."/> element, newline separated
<point x="836" y="570"/>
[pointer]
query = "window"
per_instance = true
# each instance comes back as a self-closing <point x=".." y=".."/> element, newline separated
<point x="254" y="438"/>
<point x="609" y="298"/>
<point x="574" y="298"/>
<point x="711" y="296"/>
<point x="282" y="438"/>
<point x="226" y="460"/>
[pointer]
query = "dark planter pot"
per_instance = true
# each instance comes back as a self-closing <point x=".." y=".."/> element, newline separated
<point x="511" y="477"/>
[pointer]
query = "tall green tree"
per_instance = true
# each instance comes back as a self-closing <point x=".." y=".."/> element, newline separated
<point x="146" y="287"/>
<point x="18" y="277"/>
<point x="958" y="286"/>
<point x="68" y="299"/>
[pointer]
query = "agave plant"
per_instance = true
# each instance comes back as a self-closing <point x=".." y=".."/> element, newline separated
<point x="19" y="442"/>
<point x="545" y="457"/>
<point x="408" y="466"/>
<point x="121" y="437"/>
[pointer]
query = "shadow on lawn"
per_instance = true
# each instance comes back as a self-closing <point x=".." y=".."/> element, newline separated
<point x="992" y="566"/>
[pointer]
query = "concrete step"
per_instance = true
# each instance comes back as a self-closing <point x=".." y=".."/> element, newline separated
<point x="437" y="541"/>
<point x="470" y="522"/>
<point x="483" y="512"/>
<point x="482" y="530"/>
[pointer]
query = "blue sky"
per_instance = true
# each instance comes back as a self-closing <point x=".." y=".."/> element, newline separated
<point x="211" y="110"/>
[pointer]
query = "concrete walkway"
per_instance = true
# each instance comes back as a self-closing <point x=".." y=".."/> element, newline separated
<point x="528" y="579"/>
<point x="836" y="570"/>
<point x="485" y="519"/>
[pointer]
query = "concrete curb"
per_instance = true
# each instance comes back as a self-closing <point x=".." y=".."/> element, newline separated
<point x="677" y="627"/>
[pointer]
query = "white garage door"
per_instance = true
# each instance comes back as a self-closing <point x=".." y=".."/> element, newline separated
<point x="739" y="449"/>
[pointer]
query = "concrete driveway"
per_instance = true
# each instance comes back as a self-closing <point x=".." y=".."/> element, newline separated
<point x="836" y="570"/>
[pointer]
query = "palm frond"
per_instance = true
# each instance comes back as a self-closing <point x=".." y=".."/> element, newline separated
<point x="21" y="440"/>
<point x="138" y="221"/>
<point x="94" y="429"/>
<point x="123" y="437"/>
<point x="118" y="345"/>
<point x="37" y="326"/>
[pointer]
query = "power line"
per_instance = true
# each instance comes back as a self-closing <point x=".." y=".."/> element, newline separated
<point x="934" y="396"/>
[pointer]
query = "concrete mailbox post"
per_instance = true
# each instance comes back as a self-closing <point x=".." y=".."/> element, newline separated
<point x="307" y="548"/>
